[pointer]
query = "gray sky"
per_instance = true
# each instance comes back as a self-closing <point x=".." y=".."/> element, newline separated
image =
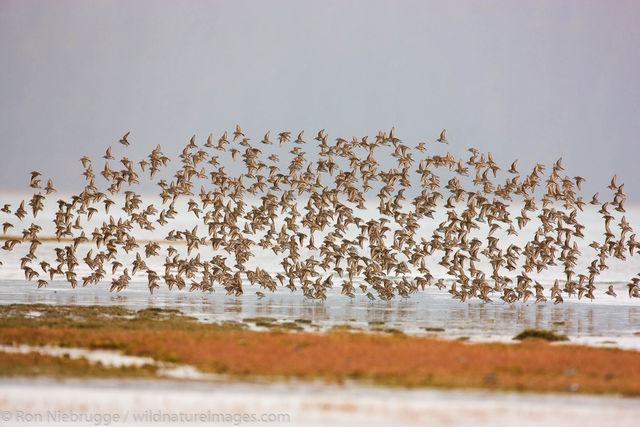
<point x="529" y="80"/>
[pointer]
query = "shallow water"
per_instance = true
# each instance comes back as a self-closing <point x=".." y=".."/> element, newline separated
<point x="603" y="320"/>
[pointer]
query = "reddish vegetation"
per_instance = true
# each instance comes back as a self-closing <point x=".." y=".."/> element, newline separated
<point x="379" y="358"/>
<point x="34" y="364"/>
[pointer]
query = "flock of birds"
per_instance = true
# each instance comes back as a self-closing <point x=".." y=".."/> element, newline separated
<point x="312" y="207"/>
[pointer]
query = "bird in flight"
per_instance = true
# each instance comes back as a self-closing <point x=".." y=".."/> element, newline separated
<point x="124" y="140"/>
<point x="443" y="138"/>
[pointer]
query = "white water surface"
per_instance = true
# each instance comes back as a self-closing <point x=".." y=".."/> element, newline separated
<point x="307" y="404"/>
<point x="601" y="321"/>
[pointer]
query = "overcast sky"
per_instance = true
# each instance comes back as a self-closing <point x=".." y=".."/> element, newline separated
<point x="531" y="80"/>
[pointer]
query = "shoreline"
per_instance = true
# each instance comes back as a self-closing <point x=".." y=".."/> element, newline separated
<point x="285" y="351"/>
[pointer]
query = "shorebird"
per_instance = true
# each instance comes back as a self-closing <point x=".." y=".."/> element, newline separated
<point x="124" y="140"/>
<point x="316" y="203"/>
<point x="49" y="188"/>
<point x="34" y="182"/>
<point x="443" y="138"/>
<point x="6" y="226"/>
<point x="108" y="155"/>
<point x="265" y="140"/>
<point x="237" y="133"/>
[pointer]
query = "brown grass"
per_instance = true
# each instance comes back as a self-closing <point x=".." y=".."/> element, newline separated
<point x="34" y="364"/>
<point x="389" y="359"/>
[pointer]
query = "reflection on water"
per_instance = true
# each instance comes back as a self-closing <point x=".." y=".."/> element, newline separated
<point x="604" y="317"/>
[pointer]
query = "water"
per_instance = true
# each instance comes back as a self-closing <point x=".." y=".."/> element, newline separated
<point x="603" y="320"/>
<point x="135" y="403"/>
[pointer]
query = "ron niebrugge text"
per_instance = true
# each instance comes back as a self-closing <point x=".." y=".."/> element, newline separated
<point x="148" y="416"/>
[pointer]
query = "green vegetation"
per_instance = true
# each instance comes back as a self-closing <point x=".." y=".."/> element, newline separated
<point x="259" y="320"/>
<point x="291" y="326"/>
<point x="389" y="330"/>
<point x="540" y="334"/>
<point x="35" y="364"/>
<point x="101" y="317"/>
<point x="431" y="329"/>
